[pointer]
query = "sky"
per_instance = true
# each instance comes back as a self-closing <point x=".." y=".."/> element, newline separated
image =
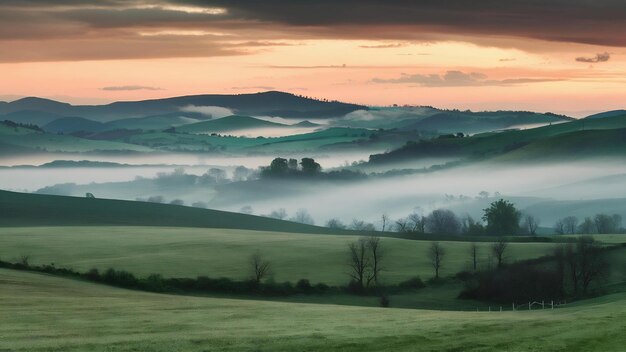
<point x="551" y="55"/>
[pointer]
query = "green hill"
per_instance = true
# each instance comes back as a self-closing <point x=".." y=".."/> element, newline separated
<point x="45" y="313"/>
<point x="229" y="124"/>
<point x="72" y="125"/>
<point x="156" y="122"/>
<point x="24" y="209"/>
<point x="495" y="143"/>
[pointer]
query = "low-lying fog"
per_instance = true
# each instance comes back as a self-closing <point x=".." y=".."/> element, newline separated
<point x="547" y="191"/>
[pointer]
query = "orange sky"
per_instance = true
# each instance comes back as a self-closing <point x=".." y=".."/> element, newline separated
<point x="478" y="72"/>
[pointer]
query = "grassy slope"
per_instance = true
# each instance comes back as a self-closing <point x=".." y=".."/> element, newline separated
<point x="21" y="137"/>
<point x="573" y="145"/>
<point x="488" y="144"/>
<point x="227" y="124"/>
<point x="188" y="252"/>
<point x="42" y="313"/>
<point x="23" y="209"/>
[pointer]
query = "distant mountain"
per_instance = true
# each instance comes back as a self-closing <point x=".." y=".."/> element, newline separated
<point x="73" y="124"/>
<point x="607" y="114"/>
<point x="306" y="123"/>
<point x="271" y="103"/>
<point x="229" y="124"/>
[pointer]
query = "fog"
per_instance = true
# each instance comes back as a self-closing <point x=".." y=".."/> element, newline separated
<point x="568" y="189"/>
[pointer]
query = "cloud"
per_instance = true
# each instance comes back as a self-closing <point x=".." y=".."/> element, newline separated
<point x="213" y="111"/>
<point x="507" y="59"/>
<point x="73" y="30"/>
<point x="601" y="57"/>
<point x="383" y="46"/>
<point x="458" y="79"/>
<point x="130" y="87"/>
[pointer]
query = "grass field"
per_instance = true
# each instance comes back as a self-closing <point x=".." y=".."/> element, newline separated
<point x="43" y="313"/>
<point x="189" y="252"/>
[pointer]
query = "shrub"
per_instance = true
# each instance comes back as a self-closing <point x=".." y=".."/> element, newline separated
<point x="384" y="301"/>
<point x="412" y="283"/>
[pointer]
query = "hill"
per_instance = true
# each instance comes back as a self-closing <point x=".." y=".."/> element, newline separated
<point x="270" y="103"/>
<point x="228" y="124"/>
<point x="607" y="114"/>
<point x="24" y="209"/>
<point x="39" y="118"/>
<point x="156" y="122"/>
<point x="73" y="124"/>
<point x="497" y="143"/>
<point x="97" y="318"/>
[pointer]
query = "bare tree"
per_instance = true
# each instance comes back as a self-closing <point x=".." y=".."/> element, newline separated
<point x="591" y="263"/>
<point x="436" y="254"/>
<point x="376" y="252"/>
<point x="559" y="258"/>
<point x="473" y="250"/>
<point x="335" y="224"/>
<point x="280" y="214"/>
<point x="559" y="227"/>
<point x="570" y="224"/>
<point x="302" y="216"/>
<point x="531" y="224"/>
<point x="498" y="248"/>
<point x="260" y="268"/>
<point x="360" y="225"/>
<point x="416" y="223"/>
<point x="443" y="221"/>
<point x="384" y="219"/>
<point x="359" y="261"/>
<point x="571" y="261"/>
<point x="401" y="225"/>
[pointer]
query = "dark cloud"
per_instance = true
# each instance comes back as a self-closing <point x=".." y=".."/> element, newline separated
<point x="602" y="57"/>
<point x="130" y="87"/>
<point x="458" y="79"/>
<point x="86" y="30"/>
<point x="581" y="21"/>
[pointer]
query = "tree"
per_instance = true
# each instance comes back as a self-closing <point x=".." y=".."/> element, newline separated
<point x="591" y="263"/>
<point x="416" y="223"/>
<point x="469" y="226"/>
<point x="302" y="216"/>
<point x="292" y="164"/>
<point x="360" y="225"/>
<point x="531" y="224"/>
<point x="384" y="220"/>
<point x="587" y="226"/>
<point x="498" y="248"/>
<point x="570" y="223"/>
<point x="443" y="221"/>
<point x="359" y="261"/>
<point x="559" y="227"/>
<point x="376" y="252"/>
<point x="607" y="223"/>
<point x="335" y="224"/>
<point x="436" y="254"/>
<point x="280" y="214"/>
<point x="571" y="261"/>
<point x="559" y="258"/>
<point x="260" y="268"/>
<point x="241" y="173"/>
<point x="218" y="174"/>
<point x="502" y="218"/>
<point x="309" y="166"/>
<point x="278" y="167"/>
<point x="473" y="250"/>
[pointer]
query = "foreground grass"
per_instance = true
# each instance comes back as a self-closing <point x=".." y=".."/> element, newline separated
<point x="43" y="313"/>
<point x="190" y="252"/>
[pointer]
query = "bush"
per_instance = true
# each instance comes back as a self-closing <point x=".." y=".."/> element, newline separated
<point x="412" y="283"/>
<point x="384" y="301"/>
<point x="304" y="285"/>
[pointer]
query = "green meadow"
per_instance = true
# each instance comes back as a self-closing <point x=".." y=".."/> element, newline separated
<point x="44" y="313"/>
<point x="190" y="252"/>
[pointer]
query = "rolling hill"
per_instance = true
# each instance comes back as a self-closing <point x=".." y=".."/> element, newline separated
<point x="498" y="143"/>
<point x="228" y="124"/>
<point x="73" y="124"/>
<point x="271" y="103"/>
<point x="20" y="209"/>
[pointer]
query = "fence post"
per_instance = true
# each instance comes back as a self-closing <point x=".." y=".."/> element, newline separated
<point x="542" y="305"/>
<point x="528" y="305"/>
<point x="500" y="308"/>
<point x="490" y="308"/>
<point x="513" y="305"/>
